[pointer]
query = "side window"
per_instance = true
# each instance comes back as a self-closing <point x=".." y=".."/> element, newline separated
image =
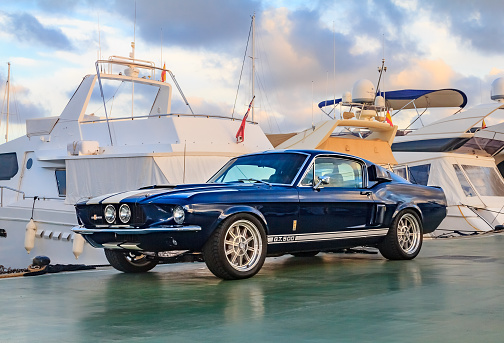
<point x="419" y="174"/>
<point x="61" y="181"/>
<point x="8" y="165"/>
<point x="341" y="172"/>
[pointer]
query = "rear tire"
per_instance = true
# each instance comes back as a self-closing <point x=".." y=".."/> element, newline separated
<point x="237" y="248"/>
<point x="404" y="238"/>
<point x="128" y="262"/>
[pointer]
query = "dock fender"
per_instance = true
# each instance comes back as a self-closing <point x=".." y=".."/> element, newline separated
<point x="31" y="231"/>
<point x="78" y="245"/>
<point x="241" y="209"/>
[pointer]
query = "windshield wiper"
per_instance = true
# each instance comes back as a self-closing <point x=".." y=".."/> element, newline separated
<point x="255" y="180"/>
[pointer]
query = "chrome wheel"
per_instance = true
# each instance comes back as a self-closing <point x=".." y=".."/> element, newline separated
<point x="237" y="248"/>
<point x="408" y="233"/>
<point x="242" y="245"/>
<point x="404" y="238"/>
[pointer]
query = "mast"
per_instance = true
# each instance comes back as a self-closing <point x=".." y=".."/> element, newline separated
<point x="253" y="61"/>
<point x="8" y="91"/>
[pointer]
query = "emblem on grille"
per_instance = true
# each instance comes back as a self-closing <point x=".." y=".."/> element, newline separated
<point x="96" y="217"/>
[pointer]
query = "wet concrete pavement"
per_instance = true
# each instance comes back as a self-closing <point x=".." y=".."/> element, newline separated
<point x="452" y="292"/>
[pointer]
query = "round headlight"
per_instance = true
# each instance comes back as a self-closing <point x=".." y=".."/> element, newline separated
<point x="110" y="213"/>
<point x="178" y="214"/>
<point x="124" y="213"/>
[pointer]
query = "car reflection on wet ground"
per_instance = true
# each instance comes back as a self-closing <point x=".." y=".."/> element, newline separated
<point x="452" y="292"/>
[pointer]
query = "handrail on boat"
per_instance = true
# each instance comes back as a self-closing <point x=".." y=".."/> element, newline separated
<point x="10" y="189"/>
<point x="166" y="115"/>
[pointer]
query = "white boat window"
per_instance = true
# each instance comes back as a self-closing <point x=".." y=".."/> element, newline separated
<point x="401" y="172"/>
<point x="466" y="186"/>
<point x="61" y="181"/>
<point x="485" y="179"/>
<point x="419" y="174"/>
<point x="118" y="99"/>
<point x="8" y="165"/>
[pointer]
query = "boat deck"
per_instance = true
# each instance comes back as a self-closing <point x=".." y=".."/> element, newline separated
<point x="452" y="292"/>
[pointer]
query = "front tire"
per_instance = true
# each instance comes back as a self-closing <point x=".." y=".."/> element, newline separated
<point x="404" y="238"/>
<point x="128" y="262"/>
<point x="237" y="248"/>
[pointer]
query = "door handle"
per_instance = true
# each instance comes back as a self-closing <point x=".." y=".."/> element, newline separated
<point x="368" y="193"/>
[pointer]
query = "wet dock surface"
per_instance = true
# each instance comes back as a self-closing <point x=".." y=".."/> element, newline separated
<point x="452" y="292"/>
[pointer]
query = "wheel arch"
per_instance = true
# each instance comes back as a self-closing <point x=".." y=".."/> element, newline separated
<point x="242" y="209"/>
<point x="409" y="206"/>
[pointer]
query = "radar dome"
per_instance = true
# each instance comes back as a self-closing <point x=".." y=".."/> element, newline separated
<point x="347" y="97"/>
<point x="363" y="91"/>
<point x="498" y="89"/>
<point x="379" y="101"/>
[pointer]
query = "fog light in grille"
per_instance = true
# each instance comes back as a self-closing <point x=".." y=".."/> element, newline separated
<point x="124" y="213"/>
<point x="178" y="214"/>
<point x="110" y="214"/>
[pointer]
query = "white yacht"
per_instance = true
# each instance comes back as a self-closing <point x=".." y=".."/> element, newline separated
<point x="458" y="154"/>
<point x="117" y="133"/>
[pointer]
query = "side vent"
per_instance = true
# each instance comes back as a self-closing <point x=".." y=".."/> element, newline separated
<point x="379" y="216"/>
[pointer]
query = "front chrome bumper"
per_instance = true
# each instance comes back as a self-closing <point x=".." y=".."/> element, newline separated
<point x="133" y="231"/>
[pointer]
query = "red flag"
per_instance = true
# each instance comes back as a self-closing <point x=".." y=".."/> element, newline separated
<point x="388" y="118"/>
<point x="163" y="73"/>
<point x="240" y="135"/>
<point x="483" y="125"/>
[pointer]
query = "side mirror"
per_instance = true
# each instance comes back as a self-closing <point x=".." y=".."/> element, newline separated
<point x="378" y="174"/>
<point x="323" y="180"/>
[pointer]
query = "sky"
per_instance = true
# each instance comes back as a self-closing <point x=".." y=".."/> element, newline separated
<point x="306" y="51"/>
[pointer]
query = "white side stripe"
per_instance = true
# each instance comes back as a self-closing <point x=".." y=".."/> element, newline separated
<point x="326" y="236"/>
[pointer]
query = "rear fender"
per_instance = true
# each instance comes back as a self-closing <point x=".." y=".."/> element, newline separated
<point x="410" y="206"/>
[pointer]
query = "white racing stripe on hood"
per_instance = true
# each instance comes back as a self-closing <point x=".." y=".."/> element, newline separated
<point x="117" y="197"/>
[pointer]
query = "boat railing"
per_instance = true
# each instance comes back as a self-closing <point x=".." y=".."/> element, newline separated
<point x="166" y="115"/>
<point x="10" y="189"/>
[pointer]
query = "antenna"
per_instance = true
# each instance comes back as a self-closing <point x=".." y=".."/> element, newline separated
<point x="313" y="126"/>
<point x="381" y="70"/>
<point x="134" y="27"/>
<point x="8" y="91"/>
<point x="99" y="38"/>
<point x="253" y="61"/>
<point x="334" y="70"/>
<point x="161" y="47"/>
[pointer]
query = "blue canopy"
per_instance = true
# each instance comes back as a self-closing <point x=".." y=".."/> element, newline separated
<point x="423" y="98"/>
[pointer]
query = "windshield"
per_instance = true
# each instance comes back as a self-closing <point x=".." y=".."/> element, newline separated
<point x="279" y="168"/>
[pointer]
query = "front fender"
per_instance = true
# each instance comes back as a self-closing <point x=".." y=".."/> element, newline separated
<point x="241" y="209"/>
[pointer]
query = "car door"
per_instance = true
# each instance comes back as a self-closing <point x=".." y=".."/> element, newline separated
<point x="334" y="203"/>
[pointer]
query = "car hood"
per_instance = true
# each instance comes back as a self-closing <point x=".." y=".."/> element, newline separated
<point x="149" y="194"/>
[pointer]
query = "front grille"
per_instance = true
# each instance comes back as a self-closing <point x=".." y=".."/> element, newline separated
<point x="93" y="215"/>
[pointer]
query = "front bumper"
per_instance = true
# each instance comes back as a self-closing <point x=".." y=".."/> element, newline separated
<point x="134" y="231"/>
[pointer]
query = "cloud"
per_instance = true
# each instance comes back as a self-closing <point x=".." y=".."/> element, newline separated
<point x="477" y="22"/>
<point x="27" y="28"/>
<point x="192" y="24"/>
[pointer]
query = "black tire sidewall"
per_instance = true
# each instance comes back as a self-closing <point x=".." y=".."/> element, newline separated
<point x="119" y="261"/>
<point x="390" y="247"/>
<point x="215" y="256"/>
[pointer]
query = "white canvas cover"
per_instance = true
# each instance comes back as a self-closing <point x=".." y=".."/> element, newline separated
<point x="87" y="178"/>
<point x="443" y="175"/>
